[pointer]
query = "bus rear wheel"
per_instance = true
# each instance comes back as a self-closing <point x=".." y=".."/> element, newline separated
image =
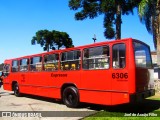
<point x="71" y="97"/>
<point x="16" y="90"/>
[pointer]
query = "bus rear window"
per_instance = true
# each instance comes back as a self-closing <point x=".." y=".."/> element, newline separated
<point x="142" y="55"/>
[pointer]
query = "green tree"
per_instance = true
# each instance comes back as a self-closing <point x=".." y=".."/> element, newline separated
<point x="44" y="38"/>
<point x="149" y="14"/>
<point x="112" y="10"/>
<point x="51" y="39"/>
<point x="62" y="39"/>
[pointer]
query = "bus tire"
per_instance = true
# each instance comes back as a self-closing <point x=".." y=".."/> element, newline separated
<point x="71" y="97"/>
<point x="16" y="90"/>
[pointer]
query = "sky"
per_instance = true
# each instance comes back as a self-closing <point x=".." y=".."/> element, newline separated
<point x="21" y="19"/>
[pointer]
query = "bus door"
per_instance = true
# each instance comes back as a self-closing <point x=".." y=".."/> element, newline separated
<point x="119" y="71"/>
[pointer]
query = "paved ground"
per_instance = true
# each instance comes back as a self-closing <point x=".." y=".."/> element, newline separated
<point x="31" y="104"/>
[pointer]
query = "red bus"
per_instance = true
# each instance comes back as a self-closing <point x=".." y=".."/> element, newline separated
<point x="106" y="73"/>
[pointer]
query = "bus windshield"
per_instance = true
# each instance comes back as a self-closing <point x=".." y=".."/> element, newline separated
<point x="142" y="55"/>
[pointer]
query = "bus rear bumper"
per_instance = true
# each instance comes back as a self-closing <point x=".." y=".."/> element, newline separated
<point x="142" y="95"/>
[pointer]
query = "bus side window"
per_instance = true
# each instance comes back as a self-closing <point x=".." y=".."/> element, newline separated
<point x="51" y="62"/>
<point x="96" y="58"/>
<point x="36" y="64"/>
<point x="24" y="64"/>
<point x="15" y="66"/>
<point x="119" y="56"/>
<point x="70" y="60"/>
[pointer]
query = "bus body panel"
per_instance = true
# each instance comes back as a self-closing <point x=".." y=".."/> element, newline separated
<point x="96" y="80"/>
<point x="7" y="86"/>
<point x="93" y="83"/>
<point x="96" y="97"/>
<point x="120" y="97"/>
<point x="42" y="86"/>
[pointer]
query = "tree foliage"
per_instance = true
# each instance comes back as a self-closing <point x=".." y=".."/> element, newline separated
<point x="52" y="39"/>
<point x="148" y="13"/>
<point x="112" y="10"/>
